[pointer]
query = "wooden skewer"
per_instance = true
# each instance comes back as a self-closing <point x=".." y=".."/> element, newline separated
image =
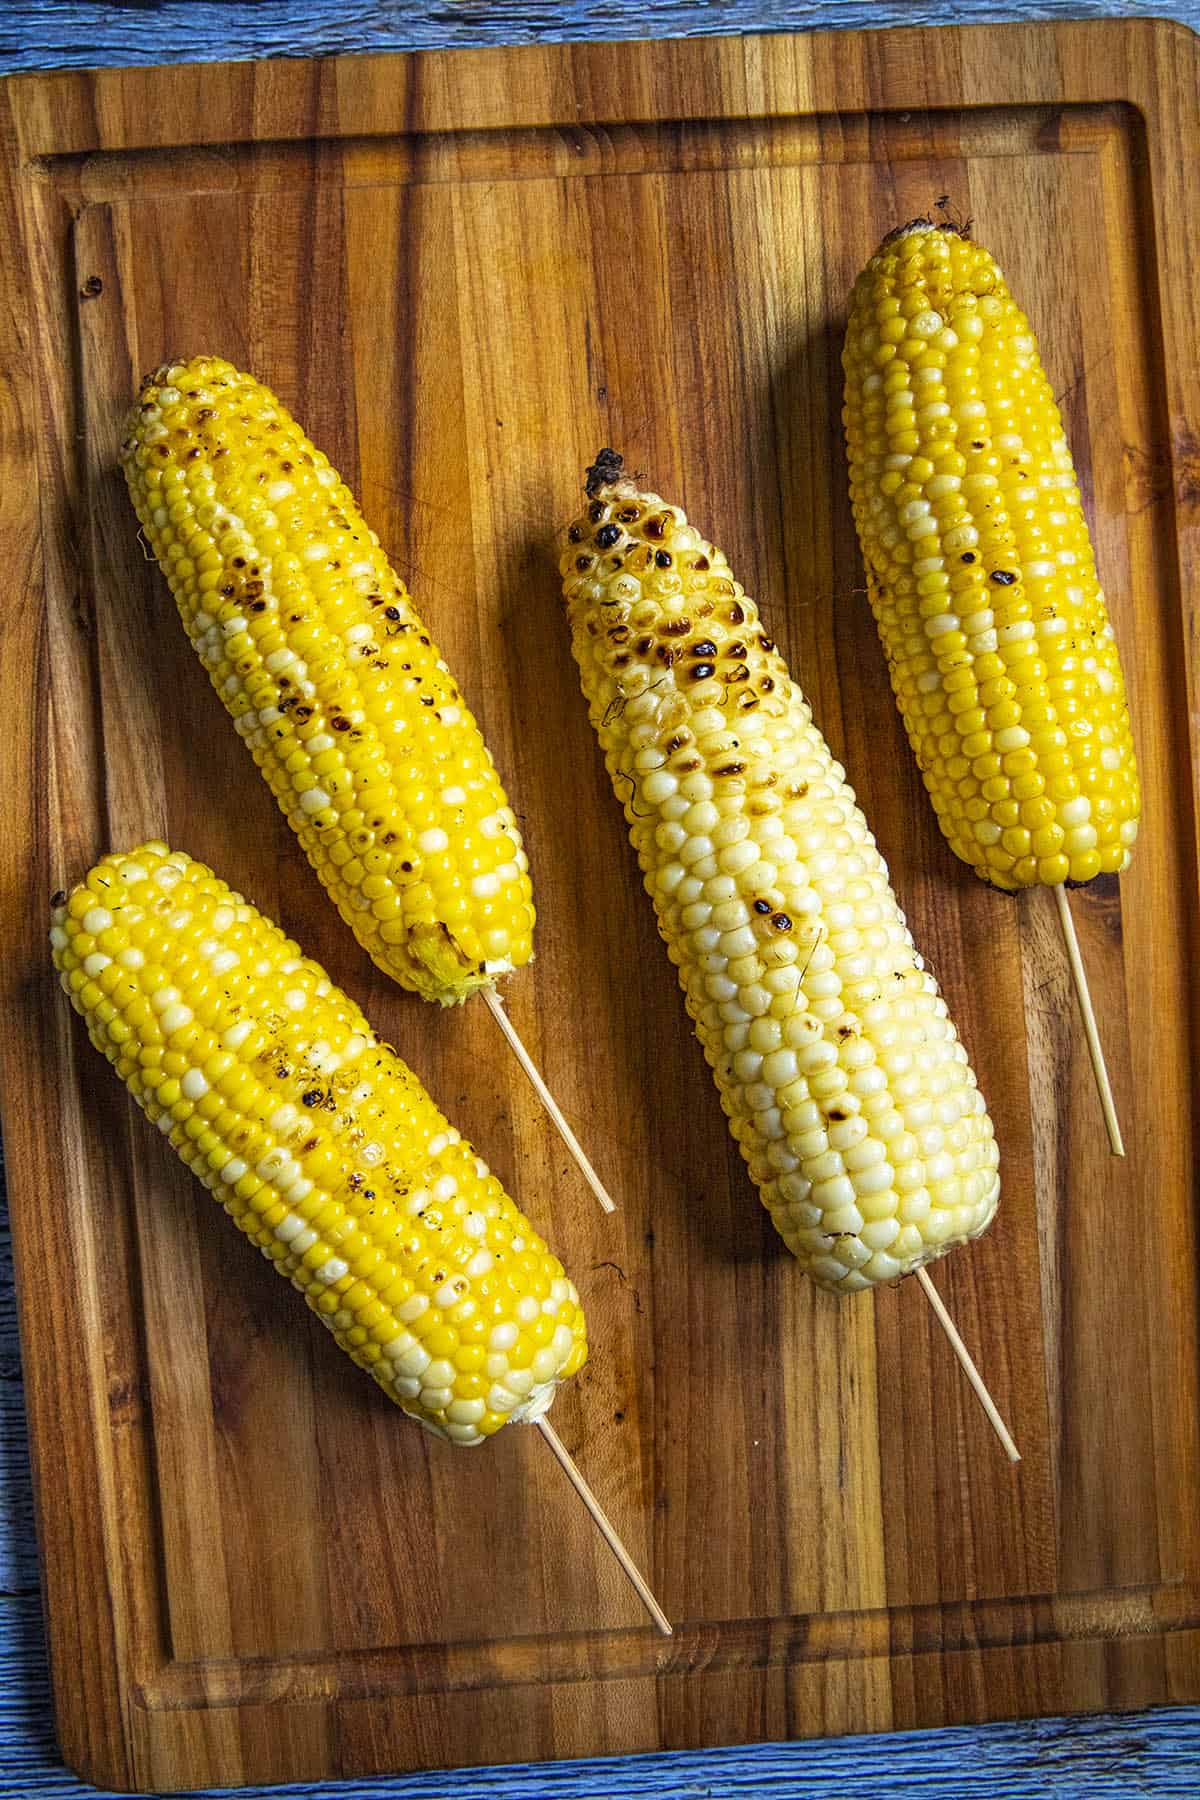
<point x="972" y="1373"/>
<point x="604" y="1525"/>
<point x="1095" y="1050"/>
<point x="547" y="1099"/>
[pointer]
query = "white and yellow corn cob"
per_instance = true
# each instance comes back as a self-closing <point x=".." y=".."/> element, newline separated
<point x="332" y="680"/>
<point x="321" y="1145"/>
<point x="845" y="1083"/>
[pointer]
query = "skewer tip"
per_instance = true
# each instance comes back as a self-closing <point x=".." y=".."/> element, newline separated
<point x="969" y="1369"/>
<point x="604" y="1526"/>
<point x="532" y="1074"/>
<point x="1091" y="1030"/>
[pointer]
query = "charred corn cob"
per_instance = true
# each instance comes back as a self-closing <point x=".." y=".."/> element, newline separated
<point x="980" y="570"/>
<point x="323" y="1148"/>
<point x="845" y="1084"/>
<point x="332" y="681"/>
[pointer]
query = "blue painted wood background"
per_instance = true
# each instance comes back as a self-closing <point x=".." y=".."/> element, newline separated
<point x="1149" y="1756"/>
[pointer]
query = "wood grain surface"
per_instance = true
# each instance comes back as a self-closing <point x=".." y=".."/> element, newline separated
<point x="464" y="273"/>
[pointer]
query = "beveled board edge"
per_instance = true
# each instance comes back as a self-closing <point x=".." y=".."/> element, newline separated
<point x="104" y="1733"/>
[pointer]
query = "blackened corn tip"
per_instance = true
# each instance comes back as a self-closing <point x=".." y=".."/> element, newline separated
<point x="604" y="472"/>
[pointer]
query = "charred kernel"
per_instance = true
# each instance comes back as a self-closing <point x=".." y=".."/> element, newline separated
<point x="705" y="648"/>
<point x="734" y="614"/>
<point x="313" y="1097"/>
<point x="662" y="559"/>
<point x="393" y="1303"/>
<point x="1004" y="576"/>
<point x="391" y="612"/>
<point x="677" y="627"/>
<point x="576" y="534"/>
<point x="629" y="515"/>
<point x="968" y="556"/>
<point x="702" y="671"/>
<point x="762" y="906"/>
<point x="583" y="563"/>
<point x="656" y="527"/>
<point x="781" y="922"/>
<point x="607" y="536"/>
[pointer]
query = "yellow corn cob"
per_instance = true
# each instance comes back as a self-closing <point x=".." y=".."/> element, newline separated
<point x="332" y="680"/>
<point x="980" y="569"/>
<point x="322" y="1146"/>
<point x="845" y="1084"/>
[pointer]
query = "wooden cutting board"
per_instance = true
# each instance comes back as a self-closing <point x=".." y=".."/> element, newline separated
<point x="465" y="272"/>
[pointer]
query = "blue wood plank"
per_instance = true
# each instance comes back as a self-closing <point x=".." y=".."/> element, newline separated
<point x="48" y="34"/>
<point x="1156" y="1755"/>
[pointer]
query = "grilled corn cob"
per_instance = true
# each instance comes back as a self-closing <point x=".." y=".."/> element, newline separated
<point x="321" y="1145"/>
<point x="312" y="643"/>
<point x="845" y="1084"/>
<point x="980" y="570"/>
